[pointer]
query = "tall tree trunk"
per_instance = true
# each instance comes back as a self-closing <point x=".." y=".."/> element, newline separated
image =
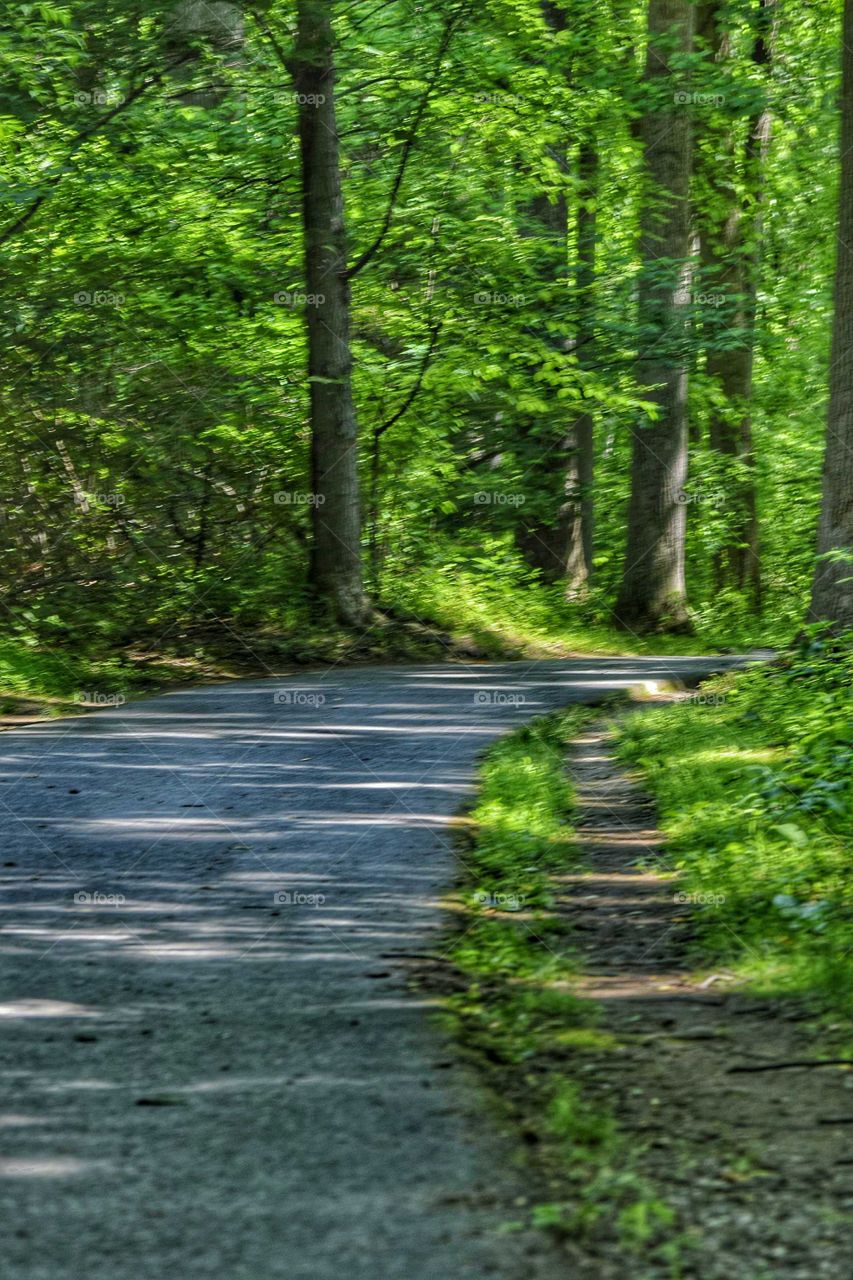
<point x="731" y="234"/>
<point x="543" y="537"/>
<point x="559" y="545"/>
<point x="832" y="590"/>
<point x="335" y="572"/>
<point x="653" y="595"/>
<point x="581" y="512"/>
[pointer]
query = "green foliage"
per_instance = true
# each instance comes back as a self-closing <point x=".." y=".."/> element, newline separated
<point x="154" y="430"/>
<point x="754" y="785"/>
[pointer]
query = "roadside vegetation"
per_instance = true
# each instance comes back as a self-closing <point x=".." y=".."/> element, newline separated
<point x="753" y="779"/>
<point x="752" y="776"/>
<point x="514" y="1005"/>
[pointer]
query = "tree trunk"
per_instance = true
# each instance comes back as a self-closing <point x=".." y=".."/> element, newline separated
<point x="543" y="538"/>
<point x="335" y="573"/>
<point x="581" y="513"/>
<point x="560" y="546"/>
<point x="652" y="594"/>
<point x="731" y="234"/>
<point x="832" y="590"/>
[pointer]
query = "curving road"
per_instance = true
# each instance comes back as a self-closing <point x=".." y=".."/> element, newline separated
<point x="210" y="1064"/>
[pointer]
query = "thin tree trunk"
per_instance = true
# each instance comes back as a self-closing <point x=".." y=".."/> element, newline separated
<point x="653" y="594"/>
<point x="832" y="591"/>
<point x="543" y="539"/>
<point x="335" y="572"/>
<point x="581" y="512"/>
<point x="560" y="547"/>
<point x="730" y="258"/>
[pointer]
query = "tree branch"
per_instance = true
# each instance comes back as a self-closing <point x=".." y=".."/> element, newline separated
<point x="416" y="385"/>
<point x="408" y="145"/>
<point x="132" y="96"/>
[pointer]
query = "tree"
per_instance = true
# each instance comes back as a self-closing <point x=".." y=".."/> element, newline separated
<point x="558" y="542"/>
<point x="730" y="222"/>
<point x="832" y="589"/>
<point x="582" y="510"/>
<point x="335" y="574"/>
<point x="653" y="595"/>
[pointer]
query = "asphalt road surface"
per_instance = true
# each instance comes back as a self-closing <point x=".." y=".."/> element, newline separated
<point x="211" y="1065"/>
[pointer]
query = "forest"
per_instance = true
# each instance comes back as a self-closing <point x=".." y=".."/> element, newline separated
<point x="426" y="604"/>
<point x="512" y="318"/>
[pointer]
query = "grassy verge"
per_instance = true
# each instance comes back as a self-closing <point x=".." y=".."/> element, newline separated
<point x="39" y="679"/>
<point x="753" y="779"/>
<point x="503" y="615"/>
<point x="35" y="681"/>
<point x="516" y="1011"/>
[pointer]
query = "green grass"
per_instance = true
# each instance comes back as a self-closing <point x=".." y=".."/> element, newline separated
<point x="37" y="681"/>
<point x="53" y="681"/>
<point x="511" y="614"/>
<point x="753" y="779"/>
<point x="517" y="1012"/>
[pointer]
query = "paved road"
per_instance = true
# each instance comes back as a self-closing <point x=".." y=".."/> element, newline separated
<point x="210" y="1065"/>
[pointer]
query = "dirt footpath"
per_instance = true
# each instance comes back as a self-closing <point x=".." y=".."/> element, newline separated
<point x="752" y="1150"/>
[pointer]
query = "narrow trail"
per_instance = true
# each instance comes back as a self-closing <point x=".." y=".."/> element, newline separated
<point x="758" y="1162"/>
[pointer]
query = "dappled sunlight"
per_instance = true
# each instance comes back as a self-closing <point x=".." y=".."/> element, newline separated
<point x="49" y="1167"/>
<point x="46" y="1009"/>
<point x="211" y="902"/>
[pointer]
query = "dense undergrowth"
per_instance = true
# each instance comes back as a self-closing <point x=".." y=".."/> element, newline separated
<point x="753" y="779"/>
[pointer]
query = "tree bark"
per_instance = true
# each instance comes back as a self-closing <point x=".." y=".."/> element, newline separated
<point x="560" y="547"/>
<point x="543" y="539"/>
<point x="335" y="571"/>
<point x="832" y="590"/>
<point x="580" y="479"/>
<point x="653" y="595"/>
<point x="730" y="235"/>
